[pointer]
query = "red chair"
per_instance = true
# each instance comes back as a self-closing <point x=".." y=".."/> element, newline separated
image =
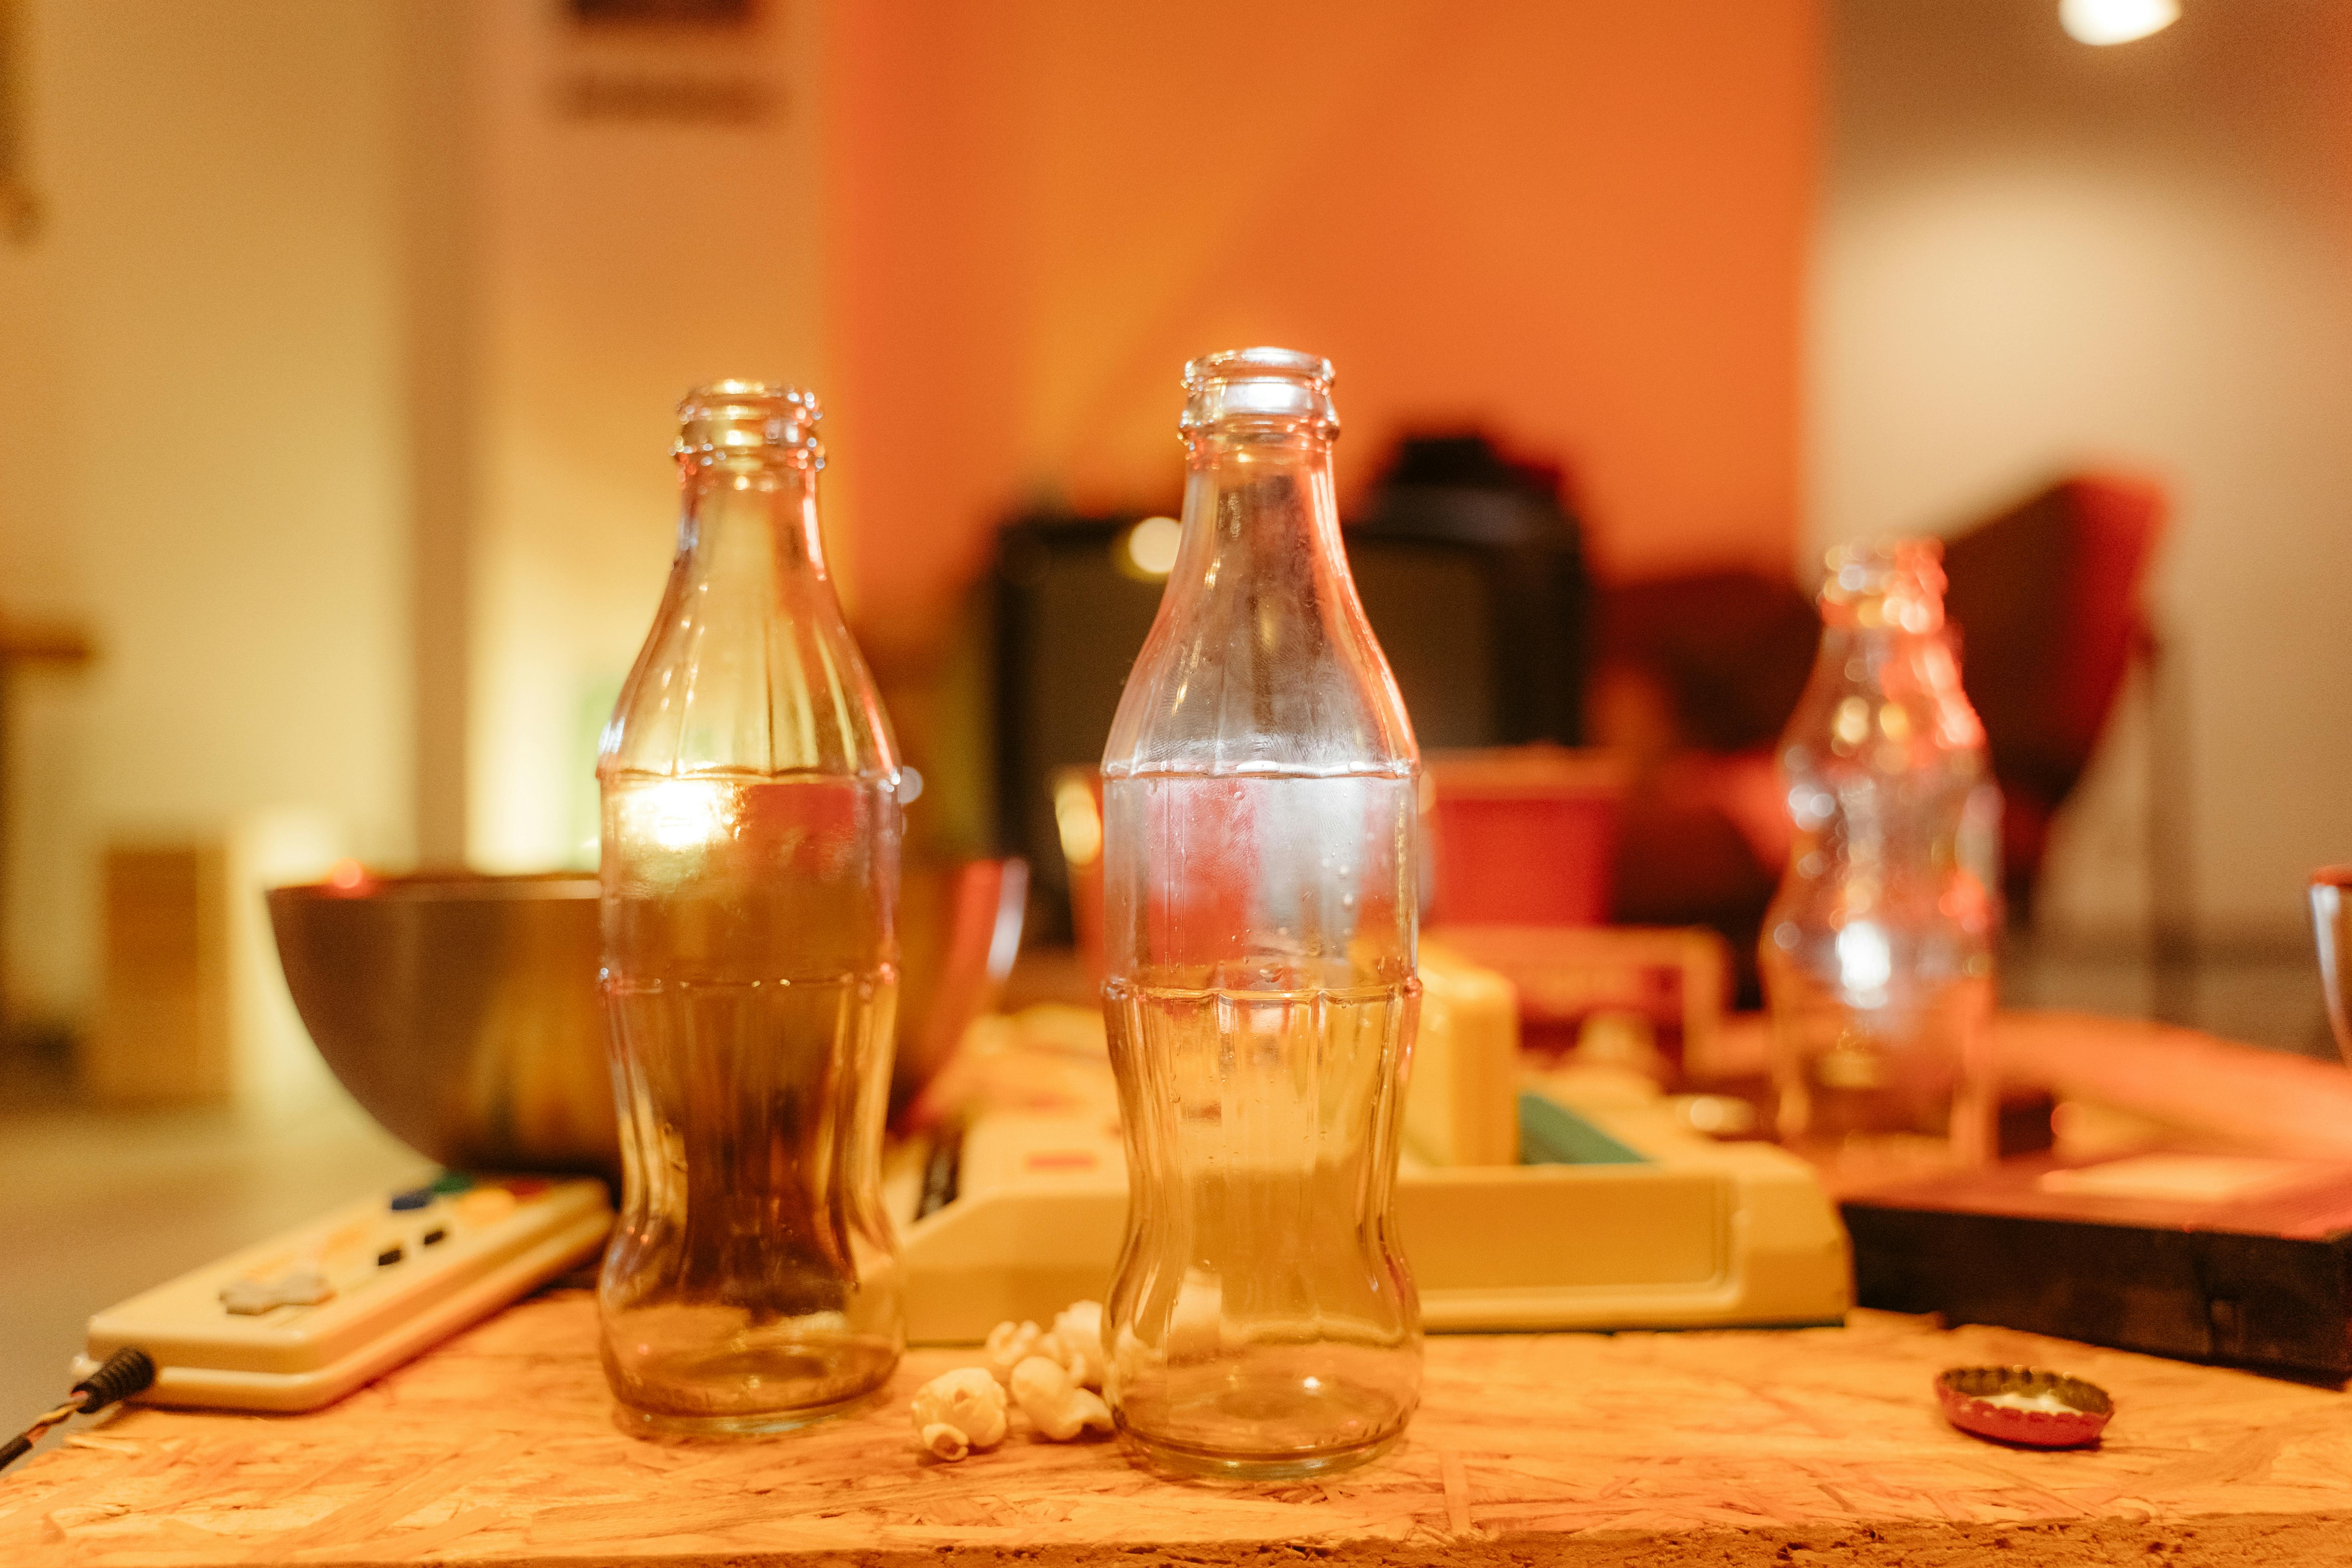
<point x="2047" y="599"/>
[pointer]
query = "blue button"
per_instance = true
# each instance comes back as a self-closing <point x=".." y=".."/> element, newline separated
<point x="414" y="1198"/>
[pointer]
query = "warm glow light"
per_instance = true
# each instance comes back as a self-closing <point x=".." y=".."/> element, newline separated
<point x="1865" y="963"/>
<point x="1080" y="823"/>
<point x="1151" y="546"/>
<point x="2115" y="21"/>
<point x="1851" y="724"/>
<point x="681" y="814"/>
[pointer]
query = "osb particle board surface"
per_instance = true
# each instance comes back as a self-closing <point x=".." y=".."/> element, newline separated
<point x="1809" y="1447"/>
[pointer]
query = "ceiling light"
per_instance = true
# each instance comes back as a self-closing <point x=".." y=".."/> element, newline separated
<point x="2115" y="21"/>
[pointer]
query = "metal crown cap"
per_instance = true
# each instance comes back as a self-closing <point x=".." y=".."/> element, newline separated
<point x="745" y="419"/>
<point x="1259" y="386"/>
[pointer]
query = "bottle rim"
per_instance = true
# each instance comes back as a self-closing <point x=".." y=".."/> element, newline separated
<point x="1265" y="360"/>
<point x="1264" y="386"/>
<point x="739" y="417"/>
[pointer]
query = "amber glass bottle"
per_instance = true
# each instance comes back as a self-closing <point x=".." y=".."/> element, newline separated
<point x="750" y="881"/>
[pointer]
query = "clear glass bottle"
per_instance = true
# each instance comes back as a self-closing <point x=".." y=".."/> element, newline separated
<point x="1260" y="922"/>
<point x="751" y="882"/>
<point x="1877" y="953"/>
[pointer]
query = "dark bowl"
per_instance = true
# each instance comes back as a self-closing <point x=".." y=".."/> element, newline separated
<point x="461" y="1009"/>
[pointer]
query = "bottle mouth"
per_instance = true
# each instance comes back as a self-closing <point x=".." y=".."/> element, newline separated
<point x="749" y="418"/>
<point x="1262" y="387"/>
<point x="1884" y="584"/>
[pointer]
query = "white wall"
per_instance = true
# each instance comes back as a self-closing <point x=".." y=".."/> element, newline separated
<point x="327" y="292"/>
<point x="2036" y="254"/>
<point x="201" y="440"/>
<point x="623" y="259"/>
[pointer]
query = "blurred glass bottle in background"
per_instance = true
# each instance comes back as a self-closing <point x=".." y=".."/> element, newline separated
<point x="1877" y="952"/>
<point x="751" y="882"/>
<point x="1260" y="920"/>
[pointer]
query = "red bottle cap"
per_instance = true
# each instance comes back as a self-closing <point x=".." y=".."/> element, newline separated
<point x="2024" y="1405"/>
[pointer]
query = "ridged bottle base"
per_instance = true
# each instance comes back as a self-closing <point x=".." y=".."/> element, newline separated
<point x="1234" y="1467"/>
<point x="762" y="1423"/>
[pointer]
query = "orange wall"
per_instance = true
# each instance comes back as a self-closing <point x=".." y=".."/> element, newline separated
<point x="1580" y="224"/>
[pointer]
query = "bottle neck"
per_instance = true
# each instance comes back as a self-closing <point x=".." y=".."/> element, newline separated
<point x="1260" y="515"/>
<point x="1892" y="585"/>
<point x="1889" y="661"/>
<point x="764" y="505"/>
<point x="1883" y="626"/>
<point x="1903" y="609"/>
<point x="1879" y="644"/>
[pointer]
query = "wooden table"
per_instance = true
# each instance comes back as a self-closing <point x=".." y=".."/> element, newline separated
<point x="1817" y="1446"/>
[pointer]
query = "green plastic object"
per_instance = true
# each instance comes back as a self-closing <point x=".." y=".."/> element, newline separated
<point x="1551" y="1134"/>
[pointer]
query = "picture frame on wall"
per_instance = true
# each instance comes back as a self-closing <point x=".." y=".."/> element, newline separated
<point x="713" y="15"/>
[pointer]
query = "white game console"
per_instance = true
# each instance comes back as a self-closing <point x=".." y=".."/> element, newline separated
<point x="302" y="1319"/>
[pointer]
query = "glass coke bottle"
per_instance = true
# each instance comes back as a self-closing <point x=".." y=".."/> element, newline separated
<point x="1877" y="952"/>
<point x="751" y="882"/>
<point x="1260" y="915"/>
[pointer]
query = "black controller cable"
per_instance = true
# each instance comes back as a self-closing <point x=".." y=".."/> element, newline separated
<point x="125" y="1373"/>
